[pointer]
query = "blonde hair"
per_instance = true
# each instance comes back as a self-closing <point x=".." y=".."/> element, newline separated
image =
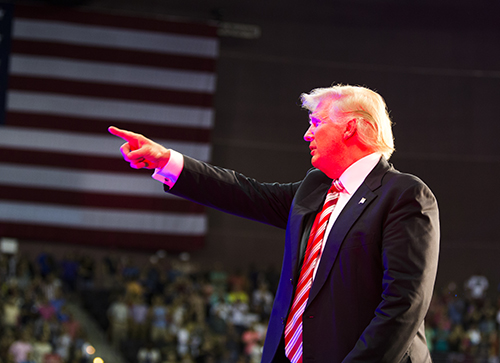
<point x="368" y="107"/>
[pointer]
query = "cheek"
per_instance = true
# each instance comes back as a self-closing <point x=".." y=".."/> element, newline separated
<point x="324" y="141"/>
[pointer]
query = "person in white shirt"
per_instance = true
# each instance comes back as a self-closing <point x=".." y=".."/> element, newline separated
<point x="118" y="315"/>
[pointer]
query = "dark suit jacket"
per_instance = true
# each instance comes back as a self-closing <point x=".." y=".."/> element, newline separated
<point x="376" y="276"/>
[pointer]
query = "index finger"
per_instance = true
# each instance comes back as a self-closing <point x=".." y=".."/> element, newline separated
<point x="124" y="134"/>
<point x="129" y="136"/>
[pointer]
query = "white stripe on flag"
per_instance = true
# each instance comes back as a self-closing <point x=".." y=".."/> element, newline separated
<point x="103" y="219"/>
<point x="140" y="112"/>
<point x="85" y="144"/>
<point x="59" y="68"/>
<point x="93" y="35"/>
<point x="80" y="181"/>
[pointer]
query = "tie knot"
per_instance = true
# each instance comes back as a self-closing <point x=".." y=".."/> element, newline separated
<point x="336" y="187"/>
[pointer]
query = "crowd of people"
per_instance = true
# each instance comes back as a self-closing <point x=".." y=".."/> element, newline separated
<point x="182" y="315"/>
<point x="161" y="312"/>
<point x="167" y="311"/>
<point x="36" y="324"/>
<point x="463" y="323"/>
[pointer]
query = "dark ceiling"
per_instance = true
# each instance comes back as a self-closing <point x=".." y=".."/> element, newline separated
<point x="444" y="14"/>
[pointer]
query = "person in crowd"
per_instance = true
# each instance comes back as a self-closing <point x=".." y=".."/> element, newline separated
<point x="158" y="315"/>
<point x="138" y="313"/>
<point x="149" y="354"/>
<point x="71" y="325"/>
<point x="52" y="286"/>
<point x="69" y="272"/>
<point x="262" y="300"/>
<point x="86" y="270"/>
<point x="21" y="347"/>
<point x="477" y="286"/>
<point x="46" y="310"/>
<point x="41" y="347"/>
<point x="251" y="339"/>
<point x="63" y="344"/>
<point x="118" y="316"/>
<point x="45" y="263"/>
<point x="11" y="312"/>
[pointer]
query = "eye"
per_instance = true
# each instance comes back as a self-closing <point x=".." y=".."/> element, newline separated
<point x="314" y="121"/>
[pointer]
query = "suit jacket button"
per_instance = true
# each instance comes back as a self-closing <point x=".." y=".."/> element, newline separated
<point x="291" y="281"/>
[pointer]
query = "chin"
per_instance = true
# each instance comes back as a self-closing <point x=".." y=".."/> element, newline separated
<point x="315" y="164"/>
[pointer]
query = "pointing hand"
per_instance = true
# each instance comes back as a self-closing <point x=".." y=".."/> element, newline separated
<point x="140" y="151"/>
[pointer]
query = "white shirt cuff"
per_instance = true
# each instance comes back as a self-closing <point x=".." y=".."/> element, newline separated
<point x="170" y="172"/>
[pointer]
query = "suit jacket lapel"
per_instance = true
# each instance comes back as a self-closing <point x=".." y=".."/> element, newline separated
<point x="351" y="212"/>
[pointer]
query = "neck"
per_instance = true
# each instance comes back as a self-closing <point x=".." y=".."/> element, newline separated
<point x="345" y="161"/>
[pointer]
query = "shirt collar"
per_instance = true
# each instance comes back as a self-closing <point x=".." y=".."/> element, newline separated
<point x="355" y="174"/>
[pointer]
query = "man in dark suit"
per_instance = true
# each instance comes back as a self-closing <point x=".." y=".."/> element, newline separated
<point x="359" y="268"/>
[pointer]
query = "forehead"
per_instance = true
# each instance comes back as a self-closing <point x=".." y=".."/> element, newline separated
<point x="323" y="110"/>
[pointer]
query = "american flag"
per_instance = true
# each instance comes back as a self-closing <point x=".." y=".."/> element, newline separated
<point x="66" y="75"/>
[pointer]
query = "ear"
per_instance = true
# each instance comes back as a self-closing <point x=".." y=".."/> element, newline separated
<point x="350" y="128"/>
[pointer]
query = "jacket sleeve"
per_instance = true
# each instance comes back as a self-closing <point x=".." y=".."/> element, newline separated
<point x="234" y="193"/>
<point x="410" y="245"/>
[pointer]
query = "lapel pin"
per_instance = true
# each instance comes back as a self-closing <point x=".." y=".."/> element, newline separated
<point x="362" y="201"/>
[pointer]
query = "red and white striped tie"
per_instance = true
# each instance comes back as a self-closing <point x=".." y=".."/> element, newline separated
<point x="293" y="329"/>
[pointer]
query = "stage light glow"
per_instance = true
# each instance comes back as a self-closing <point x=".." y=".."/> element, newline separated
<point x="98" y="360"/>
<point x="90" y="349"/>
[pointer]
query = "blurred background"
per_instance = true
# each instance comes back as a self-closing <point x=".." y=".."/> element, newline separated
<point x="220" y="80"/>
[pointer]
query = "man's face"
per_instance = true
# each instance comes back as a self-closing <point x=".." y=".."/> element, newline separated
<point x="325" y="137"/>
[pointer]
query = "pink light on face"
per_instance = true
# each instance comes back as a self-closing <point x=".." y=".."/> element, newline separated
<point x="316" y="119"/>
<point x="325" y="139"/>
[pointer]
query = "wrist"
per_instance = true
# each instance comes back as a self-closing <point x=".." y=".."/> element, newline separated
<point x="173" y="163"/>
<point x="164" y="159"/>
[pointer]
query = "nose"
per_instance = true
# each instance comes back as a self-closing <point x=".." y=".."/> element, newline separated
<point x="308" y="136"/>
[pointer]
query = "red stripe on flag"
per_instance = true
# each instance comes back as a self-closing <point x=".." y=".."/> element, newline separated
<point x="105" y="239"/>
<point x="109" y="91"/>
<point x="100" y="126"/>
<point x="123" y="21"/>
<point x="62" y="160"/>
<point x="98" y="200"/>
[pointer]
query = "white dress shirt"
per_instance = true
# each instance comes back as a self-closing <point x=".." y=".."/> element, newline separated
<point x="351" y="179"/>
